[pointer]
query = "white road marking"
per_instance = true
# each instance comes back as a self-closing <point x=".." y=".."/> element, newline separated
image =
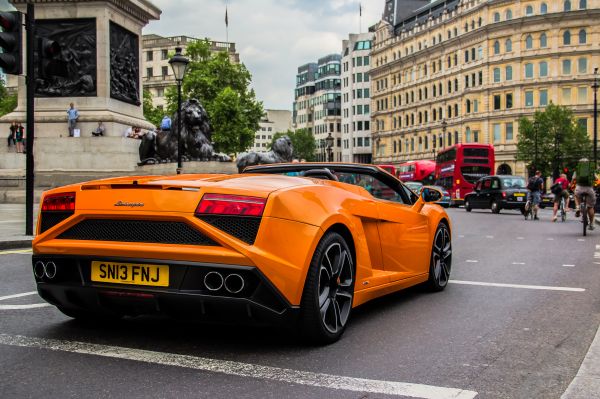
<point x="16" y="251"/>
<point x="596" y="254"/>
<point x="581" y="239"/>
<point x="11" y="221"/>
<point x="568" y="265"/>
<point x="598" y="263"/>
<point x="489" y="236"/>
<point x="518" y="263"/>
<point x="461" y="236"/>
<point x="242" y="369"/>
<point x="520" y="238"/>
<point x="530" y="287"/>
<point x="597" y="247"/>
<point x="550" y="239"/>
<point x="17" y="295"/>
<point x="21" y="307"/>
<point x="471" y="261"/>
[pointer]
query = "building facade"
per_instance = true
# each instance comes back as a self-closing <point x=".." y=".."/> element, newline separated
<point x="157" y="73"/>
<point x="273" y="121"/>
<point x="318" y="104"/>
<point x="356" y="98"/>
<point x="465" y="71"/>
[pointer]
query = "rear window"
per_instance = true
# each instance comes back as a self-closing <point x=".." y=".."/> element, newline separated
<point x="513" y="182"/>
<point x="476" y="152"/>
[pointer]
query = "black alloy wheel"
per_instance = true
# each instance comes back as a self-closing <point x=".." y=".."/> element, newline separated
<point x="441" y="259"/>
<point x="329" y="291"/>
<point x="468" y="206"/>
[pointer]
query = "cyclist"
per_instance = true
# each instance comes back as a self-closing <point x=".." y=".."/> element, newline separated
<point x="585" y="176"/>
<point x="564" y="184"/>
<point x="535" y="186"/>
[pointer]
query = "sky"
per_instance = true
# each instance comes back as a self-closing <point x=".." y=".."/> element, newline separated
<point x="273" y="37"/>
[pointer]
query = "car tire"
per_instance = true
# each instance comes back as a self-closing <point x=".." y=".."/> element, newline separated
<point x="329" y="286"/>
<point x="468" y="206"/>
<point x="87" y="316"/>
<point x="495" y="207"/>
<point x="440" y="263"/>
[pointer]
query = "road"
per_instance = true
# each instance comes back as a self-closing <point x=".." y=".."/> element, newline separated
<point x="516" y="322"/>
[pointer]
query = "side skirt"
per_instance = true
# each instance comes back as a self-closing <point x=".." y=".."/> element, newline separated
<point x="368" y="294"/>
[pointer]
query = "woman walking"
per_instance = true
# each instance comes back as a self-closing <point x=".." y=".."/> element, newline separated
<point x="20" y="131"/>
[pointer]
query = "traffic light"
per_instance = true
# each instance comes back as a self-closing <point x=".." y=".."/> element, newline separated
<point x="50" y="64"/>
<point x="11" y="58"/>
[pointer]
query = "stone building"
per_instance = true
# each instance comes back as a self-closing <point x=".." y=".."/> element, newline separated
<point x="317" y="105"/>
<point x="466" y="70"/>
<point x="356" y="98"/>
<point x="157" y="73"/>
<point x="273" y="121"/>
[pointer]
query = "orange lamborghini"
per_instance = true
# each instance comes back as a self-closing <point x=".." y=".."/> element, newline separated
<point x="299" y="244"/>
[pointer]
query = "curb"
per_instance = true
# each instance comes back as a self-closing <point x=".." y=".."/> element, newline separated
<point x="16" y="244"/>
<point x="586" y="383"/>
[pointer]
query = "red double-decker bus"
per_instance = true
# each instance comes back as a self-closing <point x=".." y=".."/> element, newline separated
<point x="459" y="167"/>
<point x="421" y="171"/>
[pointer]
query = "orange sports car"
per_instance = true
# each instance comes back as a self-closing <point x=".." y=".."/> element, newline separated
<point x="299" y="244"/>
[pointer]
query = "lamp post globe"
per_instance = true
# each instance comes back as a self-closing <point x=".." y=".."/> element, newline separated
<point x="179" y="64"/>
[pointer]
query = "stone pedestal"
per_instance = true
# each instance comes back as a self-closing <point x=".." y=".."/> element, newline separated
<point x="117" y="115"/>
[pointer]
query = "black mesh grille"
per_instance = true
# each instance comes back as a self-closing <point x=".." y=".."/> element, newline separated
<point x="136" y="231"/>
<point x="51" y="219"/>
<point x="243" y="227"/>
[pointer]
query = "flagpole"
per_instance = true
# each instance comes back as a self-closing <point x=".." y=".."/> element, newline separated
<point x="226" y="25"/>
<point x="359" y="18"/>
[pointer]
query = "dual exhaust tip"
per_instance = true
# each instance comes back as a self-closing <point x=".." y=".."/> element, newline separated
<point x="233" y="283"/>
<point x="48" y="269"/>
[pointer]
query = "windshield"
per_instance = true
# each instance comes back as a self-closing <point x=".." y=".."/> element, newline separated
<point x="513" y="182"/>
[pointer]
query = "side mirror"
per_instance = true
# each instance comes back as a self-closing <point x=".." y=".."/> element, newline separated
<point x="429" y="195"/>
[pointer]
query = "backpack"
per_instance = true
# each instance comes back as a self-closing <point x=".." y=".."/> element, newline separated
<point x="585" y="173"/>
<point x="166" y="124"/>
<point x="531" y="184"/>
<point x="556" y="189"/>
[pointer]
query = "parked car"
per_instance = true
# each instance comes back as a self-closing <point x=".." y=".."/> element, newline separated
<point x="497" y="193"/>
<point x="445" y="201"/>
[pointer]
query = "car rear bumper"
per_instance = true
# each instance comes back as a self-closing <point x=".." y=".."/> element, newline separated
<point x="187" y="296"/>
<point x="512" y="204"/>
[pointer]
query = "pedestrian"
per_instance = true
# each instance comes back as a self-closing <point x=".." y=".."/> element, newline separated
<point x="12" y="130"/>
<point x="166" y="123"/>
<point x="19" y="136"/>
<point x="535" y="187"/>
<point x="72" y="116"/>
<point x="99" y="131"/>
<point x="559" y="189"/>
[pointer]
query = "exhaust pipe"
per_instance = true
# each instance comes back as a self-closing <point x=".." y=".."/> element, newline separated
<point x="39" y="269"/>
<point x="50" y="270"/>
<point x="213" y="281"/>
<point x="234" y="283"/>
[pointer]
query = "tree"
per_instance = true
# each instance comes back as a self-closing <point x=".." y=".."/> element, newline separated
<point x="222" y="87"/>
<point x="303" y="142"/>
<point x="552" y="140"/>
<point x="152" y="114"/>
<point x="8" y="102"/>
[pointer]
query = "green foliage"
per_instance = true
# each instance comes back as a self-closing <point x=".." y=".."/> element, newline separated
<point x="561" y="142"/>
<point x="8" y="102"/>
<point x="152" y="114"/>
<point x="223" y="89"/>
<point x="303" y="142"/>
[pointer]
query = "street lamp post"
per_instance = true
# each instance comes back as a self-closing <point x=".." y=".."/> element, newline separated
<point x="535" y="139"/>
<point x="179" y="65"/>
<point x="329" y="143"/>
<point x="595" y="87"/>
<point x="444" y="126"/>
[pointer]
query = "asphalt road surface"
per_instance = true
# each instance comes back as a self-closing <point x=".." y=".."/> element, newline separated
<point x="516" y="322"/>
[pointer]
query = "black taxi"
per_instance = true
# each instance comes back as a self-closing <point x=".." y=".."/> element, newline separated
<point x="497" y="193"/>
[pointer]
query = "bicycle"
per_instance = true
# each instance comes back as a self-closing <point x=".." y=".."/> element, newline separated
<point x="528" y="209"/>
<point x="584" y="212"/>
<point x="563" y="211"/>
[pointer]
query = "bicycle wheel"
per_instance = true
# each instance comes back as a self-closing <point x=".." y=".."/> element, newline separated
<point x="563" y="212"/>
<point x="584" y="214"/>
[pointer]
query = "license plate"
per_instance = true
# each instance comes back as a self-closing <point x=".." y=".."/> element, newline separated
<point x="130" y="273"/>
<point x="519" y="199"/>
<point x="519" y="195"/>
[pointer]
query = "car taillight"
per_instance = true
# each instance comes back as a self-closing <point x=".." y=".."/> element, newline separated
<point x="62" y="202"/>
<point x="223" y="204"/>
<point x="503" y="194"/>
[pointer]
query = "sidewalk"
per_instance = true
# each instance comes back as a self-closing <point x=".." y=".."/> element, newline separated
<point x="12" y="226"/>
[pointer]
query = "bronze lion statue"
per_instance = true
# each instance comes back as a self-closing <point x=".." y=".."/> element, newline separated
<point x="282" y="151"/>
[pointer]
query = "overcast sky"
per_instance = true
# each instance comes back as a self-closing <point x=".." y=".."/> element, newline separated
<point x="273" y="37"/>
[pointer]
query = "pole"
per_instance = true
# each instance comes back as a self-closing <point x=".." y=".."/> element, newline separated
<point x="535" y="128"/>
<point x="595" y="87"/>
<point x="178" y="127"/>
<point x="29" y="165"/>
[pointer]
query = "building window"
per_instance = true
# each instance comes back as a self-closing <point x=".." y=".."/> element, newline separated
<point x="543" y="40"/>
<point x="529" y="42"/>
<point x="543" y="8"/>
<point x="508" y="73"/>
<point x="582" y="65"/>
<point x="582" y="95"/>
<point x="496" y="17"/>
<point x="149" y="72"/>
<point x="567" y="5"/>
<point x="529" y="71"/>
<point x="468" y="103"/>
<point x="496" y="75"/>
<point x="497" y="102"/>
<point x="149" y="55"/>
<point x="566" y="67"/>
<point x="543" y="69"/>
<point x="160" y="92"/>
<point x="567" y="38"/>
<point x="582" y="36"/>
<point x="543" y="97"/>
<point x="509" y="100"/>
<point x="529" y="98"/>
<point x="164" y="54"/>
<point x="509" y="131"/>
<point x="566" y="95"/>
<point x="508" y="14"/>
<point x="468" y="135"/>
<point x="475" y="106"/>
<point x="165" y="71"/>
<point x="496" y="49"/>
<point x="582" y="4"/>
<point x="497" y="132"/>
<point x="582" y="124"/>
<point x="508" y="45"/>
<point x="529" y="10"/>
